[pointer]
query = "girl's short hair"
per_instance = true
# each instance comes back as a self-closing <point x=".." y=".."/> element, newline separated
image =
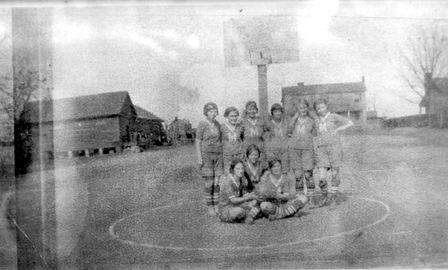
<point x="303" y="101"/>
<point x="233" y="164"/>
<point x="276" y="106"/>
<point x="230" y="110"/>
<point x="319" y="101"/>
<point x="209" y="106"/>
<point x="252" y="148"/>
<point x="251" y="104"/>
<point x="273" y="161"/>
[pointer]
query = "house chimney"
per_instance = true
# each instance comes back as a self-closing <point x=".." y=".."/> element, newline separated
<point x="362" y="79"/>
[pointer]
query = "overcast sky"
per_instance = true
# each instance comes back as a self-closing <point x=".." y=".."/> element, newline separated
<point x="170" y="57"/>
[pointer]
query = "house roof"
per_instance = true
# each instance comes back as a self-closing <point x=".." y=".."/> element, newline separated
<point x="441" y="87"/>
<point x="332" y="88"/>
<point x="441" y="84"/>
<point x="80" y="107"/>
<point x="142" y="113"/>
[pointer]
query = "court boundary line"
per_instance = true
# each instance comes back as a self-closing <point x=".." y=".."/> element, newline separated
<point x="400" y="169"/>
<point x="146" y="245"/>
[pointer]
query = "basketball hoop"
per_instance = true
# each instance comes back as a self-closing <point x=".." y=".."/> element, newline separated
<point x="260" y="57"/>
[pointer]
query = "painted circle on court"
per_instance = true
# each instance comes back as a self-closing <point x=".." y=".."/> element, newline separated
<point x="185" y="226"/>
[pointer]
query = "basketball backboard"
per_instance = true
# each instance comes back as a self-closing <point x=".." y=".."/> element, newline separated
<point x="250" y="40"/>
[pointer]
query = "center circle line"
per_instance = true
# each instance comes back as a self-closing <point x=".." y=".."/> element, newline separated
<point x="146" y="245"/>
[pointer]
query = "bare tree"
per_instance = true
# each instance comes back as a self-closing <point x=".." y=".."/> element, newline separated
<point x="15" y="92"/>
<point x="13" y="99"/>
<point x="424" y="58"/>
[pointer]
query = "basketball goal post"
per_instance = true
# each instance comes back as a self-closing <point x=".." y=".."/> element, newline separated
<point x="262" y="58"/>
<point x="261" y="41"/>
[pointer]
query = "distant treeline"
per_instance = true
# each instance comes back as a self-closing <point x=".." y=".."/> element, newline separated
<point x="419" y="120"/>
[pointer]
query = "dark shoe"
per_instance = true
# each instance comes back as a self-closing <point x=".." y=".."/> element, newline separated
<point x="249" y="220"/>
<point x="323" y="185"/>
<point x="331" y="201"/>
<point x="211" y="211"/>
<point x="310" y="185"/>
<point x="310" y="193"/>
<point x="276" y="216"/>
<point x="319" y="198"/>
<point x="340" y="197"/>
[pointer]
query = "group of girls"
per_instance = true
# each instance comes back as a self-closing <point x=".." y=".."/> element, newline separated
<point x="245" y="161"/>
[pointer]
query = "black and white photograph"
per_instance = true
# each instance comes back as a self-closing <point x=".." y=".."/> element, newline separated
<point x="224" y="134"/>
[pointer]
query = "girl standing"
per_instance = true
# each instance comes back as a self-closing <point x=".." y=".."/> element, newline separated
<point x="276" y="145"/>
<point x="254" y="167"/>
<point x="329" y="148"/>
<point x="253" y="129"/>
<point x="231" y="132"/>
<point x="301" y="147"/>
<point x="209" y="151"/>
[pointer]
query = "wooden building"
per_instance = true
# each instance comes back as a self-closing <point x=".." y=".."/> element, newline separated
<point x="435" y="100"/>
<point x="83" y="124"/>
<point x="148" y="129"/>
<point x="346" y="99"/>
<point x="181" y="131"/>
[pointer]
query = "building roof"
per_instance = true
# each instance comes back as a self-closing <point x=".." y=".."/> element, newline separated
<point x="144" y="114"/>
<point x="441" y="87"/>
<point x="441" y="84"/>
<point x="332" y="88"/>
<point x="80" y="107"/>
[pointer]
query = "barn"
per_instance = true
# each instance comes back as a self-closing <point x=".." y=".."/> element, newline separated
<point x="148" y="129"/>
<point x="346" y="99"/>
<point x="82" y="124"/>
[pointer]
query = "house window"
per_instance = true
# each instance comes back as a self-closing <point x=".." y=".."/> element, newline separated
<point x="356" y="99"/>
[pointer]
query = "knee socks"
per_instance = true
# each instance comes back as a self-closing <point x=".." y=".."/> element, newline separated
<point x="209" y="190"/>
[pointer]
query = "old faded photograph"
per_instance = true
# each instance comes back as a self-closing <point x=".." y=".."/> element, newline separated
<point x="224" y="135"/>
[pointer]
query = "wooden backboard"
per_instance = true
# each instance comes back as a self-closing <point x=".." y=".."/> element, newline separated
<point x="245" y="38"/>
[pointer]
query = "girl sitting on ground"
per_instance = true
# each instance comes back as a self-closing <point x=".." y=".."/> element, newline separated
<point x="236" y="203"/>
<point x="274" y="193"/>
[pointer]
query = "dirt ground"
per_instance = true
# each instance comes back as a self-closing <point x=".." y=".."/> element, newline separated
<point x="145" y="210"/>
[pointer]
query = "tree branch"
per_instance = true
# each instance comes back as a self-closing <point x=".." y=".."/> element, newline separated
<point x="426" y="53"/>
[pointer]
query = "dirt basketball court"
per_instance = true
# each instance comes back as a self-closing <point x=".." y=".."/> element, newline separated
<point x="145" y="210"/>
